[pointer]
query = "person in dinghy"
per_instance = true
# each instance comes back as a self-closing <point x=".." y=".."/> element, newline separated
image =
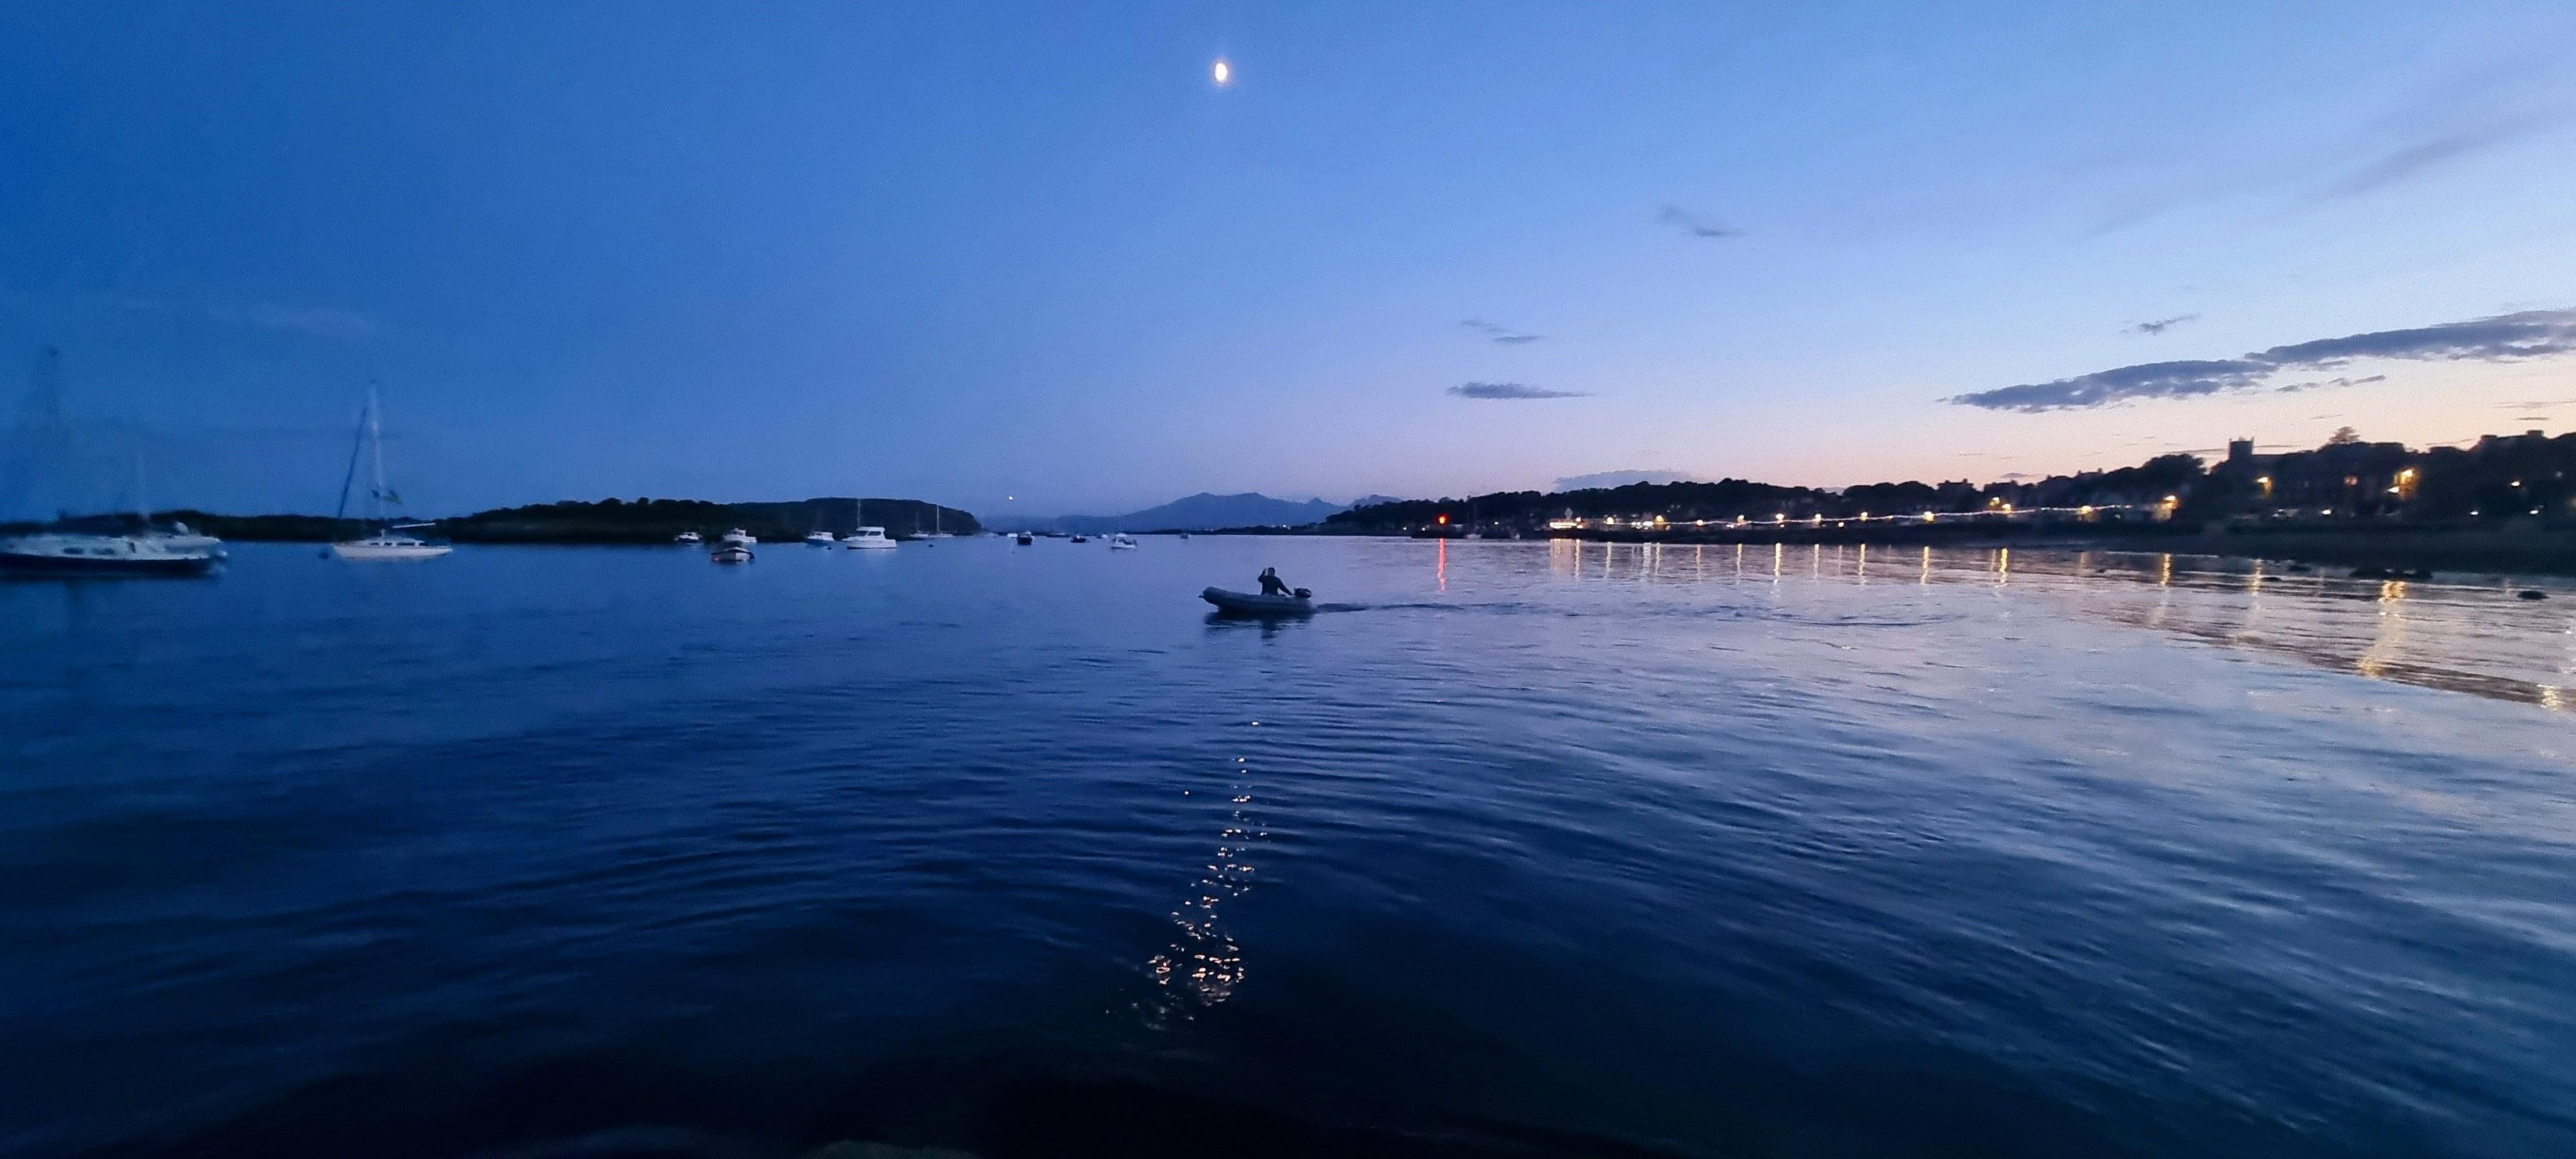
<point x="1276" y="598"/>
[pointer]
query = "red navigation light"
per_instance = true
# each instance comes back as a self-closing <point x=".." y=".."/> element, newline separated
<point x="1444" y="520"/>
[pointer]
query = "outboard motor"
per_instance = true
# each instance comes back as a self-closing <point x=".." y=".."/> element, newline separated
<point x="1303" y="594"/>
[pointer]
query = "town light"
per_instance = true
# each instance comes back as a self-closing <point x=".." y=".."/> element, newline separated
<point x="1444" y="520"/>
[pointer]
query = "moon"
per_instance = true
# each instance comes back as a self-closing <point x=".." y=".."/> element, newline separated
<point x="1223" y="73"/>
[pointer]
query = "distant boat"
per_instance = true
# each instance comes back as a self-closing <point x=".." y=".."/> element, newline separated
<point x="819" y="539"/>
<point x="1122" y="542"/>
<point x="1082" y="539"/>
<point x="731" y="553"/>
<point x="867" y="539"/>
<point x="740" y="538"/>
<point x="384" y="546"/>
<point x="1026" y="539"/>
<point x="688" y="537"/>
<point x="149" y="553"/>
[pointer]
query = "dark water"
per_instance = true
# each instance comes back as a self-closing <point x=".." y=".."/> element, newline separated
<point x="1537" y="850"/>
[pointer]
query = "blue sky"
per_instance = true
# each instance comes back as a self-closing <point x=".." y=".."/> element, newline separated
<point x="967" y="251"/>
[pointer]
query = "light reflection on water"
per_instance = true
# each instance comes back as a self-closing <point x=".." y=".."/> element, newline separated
<point x="2458" y="635"/>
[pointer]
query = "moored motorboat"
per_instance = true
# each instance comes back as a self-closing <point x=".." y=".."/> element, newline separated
<point x="1024" y="539"/>
<point x="1248" y="604"/>
<point x="65" y="553"/>
<point x="867" y="539"/>
<point x="731" y="553"/>
<point x="740" y="538"/>
<point x="819" y="539"/>
<point x="688" y="539"/>
<point x="1122" y="542"/>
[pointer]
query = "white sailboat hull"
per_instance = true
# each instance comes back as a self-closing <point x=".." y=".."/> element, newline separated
<point x="376" y="551"/>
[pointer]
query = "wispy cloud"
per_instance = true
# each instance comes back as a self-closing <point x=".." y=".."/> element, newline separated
<point x="2417" y="156"/>
<point x="2297" y="387"/>
<point x="2504" y="338"/>
<point x="2161" y="325"/>
<point x="1694" y="224"/>
<point x="320" y="321"/>
<point x="1510" y="390"/>
<point x="1500" y="333"/>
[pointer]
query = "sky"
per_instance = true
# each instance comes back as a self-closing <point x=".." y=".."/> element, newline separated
<point x="1032" y="259"/>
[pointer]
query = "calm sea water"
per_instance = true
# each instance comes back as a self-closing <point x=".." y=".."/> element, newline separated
<point x="1524" y="848"/>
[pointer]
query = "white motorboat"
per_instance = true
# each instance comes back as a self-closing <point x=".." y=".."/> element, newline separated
<point x="740" y="538"/>
<point x="71" y="553"/>
<point x="819" y="539"/>
<point x="384" y="546"/>
<point x="1122" y="542"/>
<point x="687" y="538"/>
<point x="731" y="553"/>
<point x="867" y="539"/>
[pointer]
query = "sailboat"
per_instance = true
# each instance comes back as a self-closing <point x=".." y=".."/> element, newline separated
<point x="384" y="546"/>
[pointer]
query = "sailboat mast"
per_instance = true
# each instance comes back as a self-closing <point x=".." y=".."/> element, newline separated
<point x="376" y="445"/>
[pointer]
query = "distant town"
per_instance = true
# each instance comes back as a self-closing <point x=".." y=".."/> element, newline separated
<point x="2504" y="502"/>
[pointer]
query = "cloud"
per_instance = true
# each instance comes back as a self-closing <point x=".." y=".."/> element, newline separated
<point x="2161" y="325"/>
<point x="320" y="321"/>
<point x="2504" y="338"/>
<point x="1619" y="479"/>
<point x="1694" y="224"/>
<point x="2399" y="164"/>
<point x="1510" y="390"/>
<point x="2147" y="380"/>
<point x="2296" y="387"/>
<point x="1503" y="334"/>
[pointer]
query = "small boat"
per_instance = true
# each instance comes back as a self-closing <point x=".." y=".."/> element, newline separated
<point x="1026" y="539"/>
<point x="1082" y="539"/>
<point x="819" y="539"/>
<point x="867" y="539"/>
<point x="731" y="553"/>
<point x="688" y="538"/>
<point x="1122" y="542"/>
<point x="78" y="554"/>
<point x="740" y="538"/>
<point x="1246" y="604"/>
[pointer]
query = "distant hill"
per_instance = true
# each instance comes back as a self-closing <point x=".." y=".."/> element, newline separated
<point x="657" y="520"/>
<point x="1201" y="512"/>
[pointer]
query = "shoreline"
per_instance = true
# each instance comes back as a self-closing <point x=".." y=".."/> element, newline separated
<point x="2494" y="552"/>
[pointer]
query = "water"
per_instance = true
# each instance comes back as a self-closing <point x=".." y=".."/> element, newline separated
<point x="1531" y="849"/>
